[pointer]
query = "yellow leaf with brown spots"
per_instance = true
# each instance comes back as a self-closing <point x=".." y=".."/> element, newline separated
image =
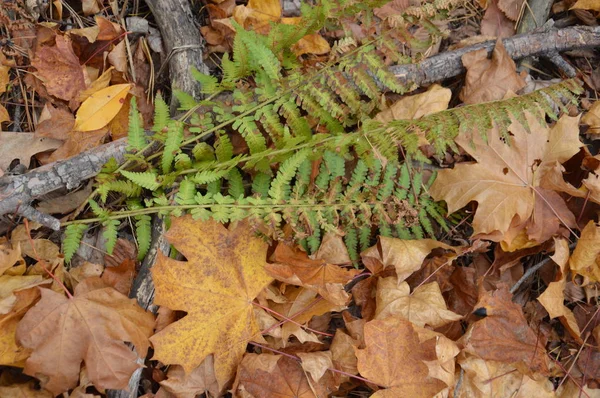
<point x="224" y="272"/>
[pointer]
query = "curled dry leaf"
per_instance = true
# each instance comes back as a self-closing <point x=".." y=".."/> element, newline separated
<point x="23" y="146"/>
<point x="316" y="363"/>
<point x="200" y="380"/>
<point x="553" y="300"/>
<point x="435" y="99"/>
<point x="92" y="327"/>
<point x="223" y="274"/>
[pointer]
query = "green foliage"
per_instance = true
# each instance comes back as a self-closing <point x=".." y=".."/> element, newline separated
<point x="73" y="235"/>
<point x="303" y="149"/>
<point x="136" y="135"/>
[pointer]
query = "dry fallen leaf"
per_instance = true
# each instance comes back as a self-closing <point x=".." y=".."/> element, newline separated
<point x="268" y="375"/>
<point x="406" y="256"/>
<point x="294" y="267"/>
<point x="100" y="107"/>
<point x="553" y="300"/>
<point x="506" y="178"/>
<point x="200" y="380"/>
<point x="504" y="335"/>
<point x="435" y="99"/>
<point x="424" y="306"/>
<point x="59" y="69"/>
<point x="11" y="353"/>
<point x="489" y="79"/>
<point x="223" y="274"/>
<point x="495" y="23"/>
<point x="23" y="146"/>
<point x="511" y="8"/>
<point x="92" y="327"/>
<point x="395" y="358"/>
<point x="593" y="5"/>
<point x="584" y="260"/>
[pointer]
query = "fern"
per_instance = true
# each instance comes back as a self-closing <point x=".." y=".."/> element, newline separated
<point x="73" y="235"/>
<point x="110" y="234"/>
<point x="148" y="180"/>
<point x="143" y="233"/>
<point x="136" y="135"/>
<point x="172" y="142"/>
<point x="161" y="114"/>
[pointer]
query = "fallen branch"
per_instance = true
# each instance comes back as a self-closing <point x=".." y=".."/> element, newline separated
<point x="17" y="192"/>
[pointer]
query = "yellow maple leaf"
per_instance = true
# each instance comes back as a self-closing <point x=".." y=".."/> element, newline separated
<point x="223" y="274"/>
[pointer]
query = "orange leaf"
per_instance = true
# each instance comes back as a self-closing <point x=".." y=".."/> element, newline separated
<point x="585" y="258"/>
<point x="223" y="274"/>
<point x="395" y="358"/>
<point x="99" y="108"/>
<point x="92" y="327"/>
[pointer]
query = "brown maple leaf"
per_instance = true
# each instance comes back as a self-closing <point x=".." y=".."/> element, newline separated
<point x="92" y="326"/>
<point x="395" y="358"/>
<point x="505" y="181"/>
<point x="504" y="335"/>
<point x="216" y="286"/>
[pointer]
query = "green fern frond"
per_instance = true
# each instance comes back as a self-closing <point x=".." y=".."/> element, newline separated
<point x="186" y="101"/>
<point x="143" y="234"/>
<point x="73" y="235"/>
<point x="161" y="113"/>
<point x="148" y="180"/>
<point x="172" y="142"/>
<point x="110" y="234"/>
<point x="280" y="186"/>
<point x="136" y="136"/>
<point x="209" y="84"/>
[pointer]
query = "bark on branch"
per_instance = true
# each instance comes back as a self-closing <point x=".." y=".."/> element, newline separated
<point x="17" y="192"/>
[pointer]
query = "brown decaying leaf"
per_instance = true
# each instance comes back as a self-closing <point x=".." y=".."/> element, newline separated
<point x="424" y="306"/>
<point x="24" y="390"/>
<point x="495" y="23"/>
<point x="200" y="380"/>
<point x="504" y="335"/>
<point x="505" y="180"/>
<point x="223" y="274"/>
<point x="92" y="327"/>
<point x="23" y="146"/>
<point x="394" y="358"/>
<point x="268" y="375"/>
<point x="435" y="99"/>
<point x="489" y="79"/>
<point x="11" y="353"/>
<point x="59" y="69"/>
<point x="553" y="300"/>
<point x="293" y="266"/>
<point x="511" y="8"/>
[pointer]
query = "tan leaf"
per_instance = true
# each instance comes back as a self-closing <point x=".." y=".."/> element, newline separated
<point x="200" y="380"/>
<point x="11" y="284"/>
<point x="4" y="116"/>
<point x="11" y="353"/>
<point x="489" y="79"/>
<point x="592" y="5"/>
<point x="584" y="259"/>
<point x="553" y="300"/>
<point x="118" y="57"/>
<point x="120" y="277"/>
<point x="99" y="108"/>
<point x="435" y="99"/>
<point x="9" y="256"/>
<point x="55" y="123"/>
<point x="25" y="390"/>
<point x="92" y="327"/>
<point x="310" y="44"/>
<point x="100" y="83"/>
<point x="487" y="378"/>
<point x="23" y="146"/>
<point x="394" y="358"/>
<point x="425" y="306"/>
<point x="316" y="363"/>
<point x="504" y="335"/>
<point x="406" y="256"/>
<point x="343" y="352"/>
<point x="4" y="77"/>
<point x="77" y="142"/>
<point x="59" y="69"/>
<point x="505" y="180"/>
<point x="223" y="274"/>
